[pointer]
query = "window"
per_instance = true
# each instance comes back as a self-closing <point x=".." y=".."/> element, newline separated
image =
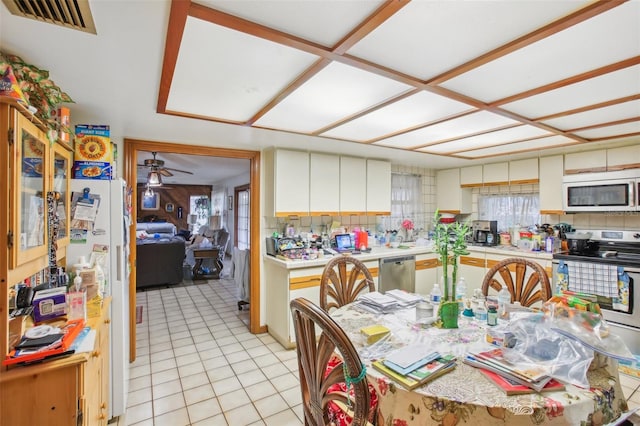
<point x="406" y="200"/>
<point x="242" y="221"/>
<point x="510" y="209"/>
<point x="199" y="206"/>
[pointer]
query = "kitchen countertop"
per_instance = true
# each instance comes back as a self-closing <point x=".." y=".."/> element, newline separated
<point x="385" y="252"/>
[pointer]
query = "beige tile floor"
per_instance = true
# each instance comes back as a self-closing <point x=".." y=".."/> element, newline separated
<point x="197" y="364"/>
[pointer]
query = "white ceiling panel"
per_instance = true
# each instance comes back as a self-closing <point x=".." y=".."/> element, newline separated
<point x="575" y="50"/>
<point x="421" y="108"/>
<point x="536" y="144"/>
<point x="601" y="115"/>
<point x="427" y="38"/>
<point x="487" y="139"/>
<point x="609" y="86"/>
<point x="322" y="22"/>
<point x="611" y="131"/>
<point x="228" y="74"/>
<point x="466" y="125"/>
<point x="335" y="92"/>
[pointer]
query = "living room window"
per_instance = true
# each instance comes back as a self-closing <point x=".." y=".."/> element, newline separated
<point x="199" y="206"/>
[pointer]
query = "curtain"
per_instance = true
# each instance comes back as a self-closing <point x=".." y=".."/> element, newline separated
<point x="407" y="201"/>
<point x="510" y="209"/>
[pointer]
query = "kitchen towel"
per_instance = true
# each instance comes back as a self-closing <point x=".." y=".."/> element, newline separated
<point x="593" y="278"/>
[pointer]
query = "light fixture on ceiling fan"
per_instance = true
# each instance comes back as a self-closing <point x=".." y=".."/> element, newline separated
<point x="157" y="170"/>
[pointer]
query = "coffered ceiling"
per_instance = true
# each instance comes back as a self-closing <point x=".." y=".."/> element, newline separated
<point x="468" y="79"/>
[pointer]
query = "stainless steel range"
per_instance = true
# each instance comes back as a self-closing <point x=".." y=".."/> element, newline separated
<point x="617" y="248"/>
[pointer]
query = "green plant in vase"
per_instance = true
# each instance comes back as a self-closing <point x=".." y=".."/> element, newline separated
<point x="450" y="243"/>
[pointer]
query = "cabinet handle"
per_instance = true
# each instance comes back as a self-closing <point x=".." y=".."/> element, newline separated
<point x="103" y="406"/>
<point x="107" y="321"/>
<point x="95" y="354"/>
<point x="102" y="417"/>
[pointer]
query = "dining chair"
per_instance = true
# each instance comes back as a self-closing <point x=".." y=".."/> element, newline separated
<point x="339" y="286"/>
<point x="529" y="285"/>
<point x="332" y="386"/>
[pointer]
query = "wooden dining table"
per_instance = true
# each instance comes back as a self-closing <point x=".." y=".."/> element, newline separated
<point x="465" y="395"/>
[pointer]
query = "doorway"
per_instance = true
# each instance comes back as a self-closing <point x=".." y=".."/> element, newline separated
<point x="131" y="149"/>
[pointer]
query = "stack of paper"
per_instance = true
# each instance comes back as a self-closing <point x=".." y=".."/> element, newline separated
<point x="535" y="378"/>
<point x="405" y="299"/>
<point x="377" y="302"/>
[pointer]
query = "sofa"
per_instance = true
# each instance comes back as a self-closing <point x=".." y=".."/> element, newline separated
<point x="159" y="255"/>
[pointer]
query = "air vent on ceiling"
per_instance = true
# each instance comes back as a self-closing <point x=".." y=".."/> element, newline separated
<point x="74" y="14"/>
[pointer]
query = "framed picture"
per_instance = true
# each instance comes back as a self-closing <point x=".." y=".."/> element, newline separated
<point x="151" y="202"/>
<point x="168" y="207"/>
<point x="230" y="202"/>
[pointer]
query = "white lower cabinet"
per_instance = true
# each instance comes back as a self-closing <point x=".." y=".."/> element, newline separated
<point x="473" y="268"/>
<point x="285" y="285"/>
<point x="426" y="273"/>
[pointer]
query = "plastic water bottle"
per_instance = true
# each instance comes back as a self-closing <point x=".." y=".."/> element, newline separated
<point x="436" y="294"/>
<point x="504" y="299"/>
<point x="461" y="293"/>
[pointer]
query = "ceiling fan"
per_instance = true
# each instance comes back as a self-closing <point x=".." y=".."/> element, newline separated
<point x="156" y="165"/>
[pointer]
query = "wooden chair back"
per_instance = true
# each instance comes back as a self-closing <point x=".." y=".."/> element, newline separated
<point x="314" y="352"/>
<point x="339" y="286"/>
<point x="526" y="280"/>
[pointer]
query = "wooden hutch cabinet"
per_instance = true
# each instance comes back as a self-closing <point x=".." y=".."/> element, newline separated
<point x="72" y="390"/>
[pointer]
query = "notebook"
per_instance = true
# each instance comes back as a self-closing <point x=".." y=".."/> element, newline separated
<point x="343" y="243"/>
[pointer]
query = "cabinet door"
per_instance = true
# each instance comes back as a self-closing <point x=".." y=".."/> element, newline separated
<point x="378" y="187"/>
<point x="523" y="171"/>
<point x="28" y="208"/>
<point x="496" y="174"/>
<point x="60" y="183"/>
<point x="426" y="273"/>
<point x="324" y="184"/>
<point x="625" y="157"/>
<point x="291" y="183"/>
<point x="450" y="197"/>
<point x="473" y="269"/>
<point x="471" y="176"/>
<point x="353" y="185"/>
<point x="589" y="161"/>
<point x="551" y="184"/>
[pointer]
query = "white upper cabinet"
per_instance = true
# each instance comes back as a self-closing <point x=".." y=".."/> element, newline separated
<point x="523" y="171"/>
<point x="450" y="197"/>
<point x="585" y="162"/>
<point x="496" y="173"/>
<point x="378" y="187"/>
<point x="353" y="185"/>
<point x="287" y="190"/>
<point x="551" y="170"/>
<point x="471" y="176"/>
<point x="324" y="184"/>
<point x="625" y="157"/>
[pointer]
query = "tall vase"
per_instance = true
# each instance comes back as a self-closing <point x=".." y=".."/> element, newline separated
<point x="449" y="314"/>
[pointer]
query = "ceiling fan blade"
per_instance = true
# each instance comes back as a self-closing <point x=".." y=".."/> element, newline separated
<point x="165" y="172"/>
<point x="178" y="170"/>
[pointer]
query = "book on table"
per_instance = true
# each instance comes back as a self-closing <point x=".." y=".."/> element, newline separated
<point x="420" y="376"/>
<point x="508" y="372"/>
<point x="511" y="387"/>
<point x="496" y="358"/>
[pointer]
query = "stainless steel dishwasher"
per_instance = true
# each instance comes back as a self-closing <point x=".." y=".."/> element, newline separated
<point x="397" y="272"/>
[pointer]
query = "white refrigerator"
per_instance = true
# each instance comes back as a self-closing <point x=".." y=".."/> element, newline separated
<point x="110" y="228"/>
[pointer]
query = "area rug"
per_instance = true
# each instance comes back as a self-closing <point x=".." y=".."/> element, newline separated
<point x="139" y="314"/>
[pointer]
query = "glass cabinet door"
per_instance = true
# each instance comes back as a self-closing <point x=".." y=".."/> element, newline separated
<point x="61" y="173"/>
<point x="29" y="224"/>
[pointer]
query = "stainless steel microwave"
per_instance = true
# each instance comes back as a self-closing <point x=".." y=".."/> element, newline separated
<point x="601" y="192"/>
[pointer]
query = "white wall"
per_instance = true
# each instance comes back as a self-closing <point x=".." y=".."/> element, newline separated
<point x="227" y="215"/>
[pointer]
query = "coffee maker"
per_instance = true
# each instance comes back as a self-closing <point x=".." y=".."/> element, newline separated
<point x="485" y="232"/>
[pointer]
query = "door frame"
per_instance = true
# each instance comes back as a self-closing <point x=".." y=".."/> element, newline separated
<point x="130" y="159"/>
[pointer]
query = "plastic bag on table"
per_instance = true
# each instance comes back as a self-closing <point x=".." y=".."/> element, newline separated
<point x="205" y="243"/>
<point x="587" y="327"/>
<point x="537" y="344"/>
